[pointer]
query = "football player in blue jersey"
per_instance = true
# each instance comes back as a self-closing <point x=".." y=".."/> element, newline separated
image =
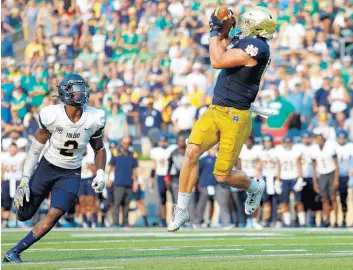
<point x="67" y="128"/>
<point x="242" y="61"/>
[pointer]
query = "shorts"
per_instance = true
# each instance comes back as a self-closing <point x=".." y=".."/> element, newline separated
<point x="287" y="188"/>
<point x="325" y="184"/>
<point x="226" y="125"/>
<point x="63" y="184"/>
<point x="311" y="200"/>
<point x="139" y="194"/>
<point x="86" y="188"/>
<point x="343" y="189"/>
<point x="6" y="200"/>
<point x="265" y="196"/>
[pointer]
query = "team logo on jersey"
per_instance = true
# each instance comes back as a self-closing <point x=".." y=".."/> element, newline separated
<point x="235" y="118"/>
<point x="252" y="50"/>
<point x="59" y="130"/>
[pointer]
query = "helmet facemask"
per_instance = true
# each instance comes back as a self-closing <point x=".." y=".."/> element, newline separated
<point x="78" y="93"/>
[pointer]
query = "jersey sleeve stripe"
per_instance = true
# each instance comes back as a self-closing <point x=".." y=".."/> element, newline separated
<point x="41" y="123"/>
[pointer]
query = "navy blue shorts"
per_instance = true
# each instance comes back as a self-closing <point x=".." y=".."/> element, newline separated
<point x="86" y="187"/>
<point x="162" y="189"/>
<point x="287" y="188"/>
<point x="266" y="197"/>
<point x="343" y="189"/>
<point x="63" y="184"/>
<point x="6" y="200"/>
<point x="138" y="195"/>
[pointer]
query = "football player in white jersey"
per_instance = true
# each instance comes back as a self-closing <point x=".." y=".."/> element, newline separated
<point x="68" y="127"/>
<point x="11" y="172"/>
<point x="267" y="169"/>
<point x="247" y="162"/>
<point x="326" y="164"/>
<point x="160" y="156"/>
<point x="291" y="176"/>
<point x="311" y="199"/>
<point x="345" y="157"/>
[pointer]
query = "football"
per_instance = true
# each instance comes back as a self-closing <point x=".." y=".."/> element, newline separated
<point x="222" y="13"/>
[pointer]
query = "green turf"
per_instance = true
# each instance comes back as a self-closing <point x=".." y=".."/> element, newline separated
<point x="187" y="249"/>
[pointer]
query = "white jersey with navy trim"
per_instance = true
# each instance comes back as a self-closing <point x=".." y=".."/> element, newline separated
<point x="345" y="157"/>
<point x="306" y="152"/>
<point x="325" y="157"/>
<point x="287" y="159"/>
<point x="161" y="156"/>
<point x="249" y="159"/>
<point x="13" y="165"/>
<point x="269" y="161"/>
<point x="68" y="139"/>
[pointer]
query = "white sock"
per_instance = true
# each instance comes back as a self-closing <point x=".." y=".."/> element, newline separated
<point x="254" y="186"/>
<point x="286" y="218"/>
<point x="183" y="200"/>
<point x="301" y="218"/>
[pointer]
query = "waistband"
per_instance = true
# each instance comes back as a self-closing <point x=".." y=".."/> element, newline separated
<point x="226" y="109"/>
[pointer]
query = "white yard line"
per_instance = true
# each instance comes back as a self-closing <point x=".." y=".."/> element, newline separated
<point x="154" y="249"/>
<point x="159" y="258"/>
<point x="341" y="251"/>
<point x="284" y="250"/>
<point x="221" y="249"/>
<point x="85" y="235"/>
<point x="92" y="268"/>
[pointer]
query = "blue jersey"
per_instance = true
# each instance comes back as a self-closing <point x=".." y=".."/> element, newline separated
<point x="237" y="87"/>
<point x="206" y="167"/>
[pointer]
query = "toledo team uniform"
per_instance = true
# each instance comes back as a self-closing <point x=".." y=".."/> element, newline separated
<point x="59" y="170"/>
<point x="289" y="171"/>
<point x="345" y="157"/>
<point x="249" y="159"/>
<point x="13" y="166"/>
<point x="228" y="119"/>
<point x="86" y="177"/>
<point x="268" y="159"/>
<point x="161" y="156"/>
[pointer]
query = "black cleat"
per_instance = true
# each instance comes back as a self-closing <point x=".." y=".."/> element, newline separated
<point x="12" y="257"/>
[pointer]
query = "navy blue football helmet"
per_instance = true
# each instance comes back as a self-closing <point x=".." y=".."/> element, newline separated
<point x="73" y="90"/>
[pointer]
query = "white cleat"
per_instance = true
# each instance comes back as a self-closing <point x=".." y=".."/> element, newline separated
<point x="256" y="225"/>
<point x="179" y="218"/>
<point x="253" y="200"/>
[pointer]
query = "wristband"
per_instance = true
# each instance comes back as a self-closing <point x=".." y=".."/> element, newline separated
<point x="214" y="33"/>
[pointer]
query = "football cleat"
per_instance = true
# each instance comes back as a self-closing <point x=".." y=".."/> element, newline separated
<point x="253" y="200"/>
<point x="12" y="257"/>
<point x="179" y="218"/>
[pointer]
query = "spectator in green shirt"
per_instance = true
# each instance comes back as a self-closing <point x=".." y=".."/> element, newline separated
<point x="38" y="92"/>
<point x="27" y="79"/>
<point x="19" y="102"/>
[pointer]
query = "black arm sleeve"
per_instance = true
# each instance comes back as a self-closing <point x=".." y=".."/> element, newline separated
<point x="96" y="141"/>
<point x="170" y="163"/>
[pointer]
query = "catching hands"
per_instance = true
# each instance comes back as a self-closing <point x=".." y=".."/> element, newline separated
<point x="21" y="192"/>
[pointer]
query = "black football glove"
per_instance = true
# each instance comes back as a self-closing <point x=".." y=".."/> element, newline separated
<point x="214" y="23"/>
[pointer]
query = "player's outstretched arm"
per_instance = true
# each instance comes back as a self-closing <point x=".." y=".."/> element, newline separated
<point x="38" y="143"/>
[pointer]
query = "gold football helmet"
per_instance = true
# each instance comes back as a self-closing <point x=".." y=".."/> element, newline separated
<point x="258" y="21"/>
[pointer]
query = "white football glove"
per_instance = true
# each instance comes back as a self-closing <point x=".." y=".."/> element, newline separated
<point x="98" y="183"/>
<point x="21" y="192"/>
<point x="299" y="185"/>
<point x="278" y="187"/>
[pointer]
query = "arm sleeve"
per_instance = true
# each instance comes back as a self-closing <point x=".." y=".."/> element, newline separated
<point x="32" y="158"/>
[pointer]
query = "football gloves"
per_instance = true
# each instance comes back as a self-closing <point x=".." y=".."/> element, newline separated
<point x="299" y="185"/>
<point x="98" y="183"/>
<point x="216" y="24"/>
<point x="278" y="187"/>
<point x="22" y="191"/>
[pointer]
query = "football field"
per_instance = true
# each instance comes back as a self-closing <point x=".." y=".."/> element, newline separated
<point x="188" y="249"/>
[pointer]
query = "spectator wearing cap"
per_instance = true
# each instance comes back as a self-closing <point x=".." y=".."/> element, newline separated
<point x="338" y="97"/>
<point x="184" y="117"/>
<point x="116" y="126"/>
<point x="323" y="127"/>
<point x="277" y="125"/>
<point x="124" y="164"/>
<point x="196" y="79"/>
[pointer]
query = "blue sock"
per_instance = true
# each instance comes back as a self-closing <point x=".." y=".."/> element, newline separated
<point x="254" y="187"/>
<point x="26" y="242"/>
<point x="164" y="222"/>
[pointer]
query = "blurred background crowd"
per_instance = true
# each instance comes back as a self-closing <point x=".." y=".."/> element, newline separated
<point x="147" y="64"/>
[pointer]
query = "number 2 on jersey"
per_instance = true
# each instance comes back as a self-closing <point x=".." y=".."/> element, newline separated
<point x="69" y="152"/>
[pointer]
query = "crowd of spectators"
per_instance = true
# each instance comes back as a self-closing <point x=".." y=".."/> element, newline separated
<point x="147" y="64"/>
